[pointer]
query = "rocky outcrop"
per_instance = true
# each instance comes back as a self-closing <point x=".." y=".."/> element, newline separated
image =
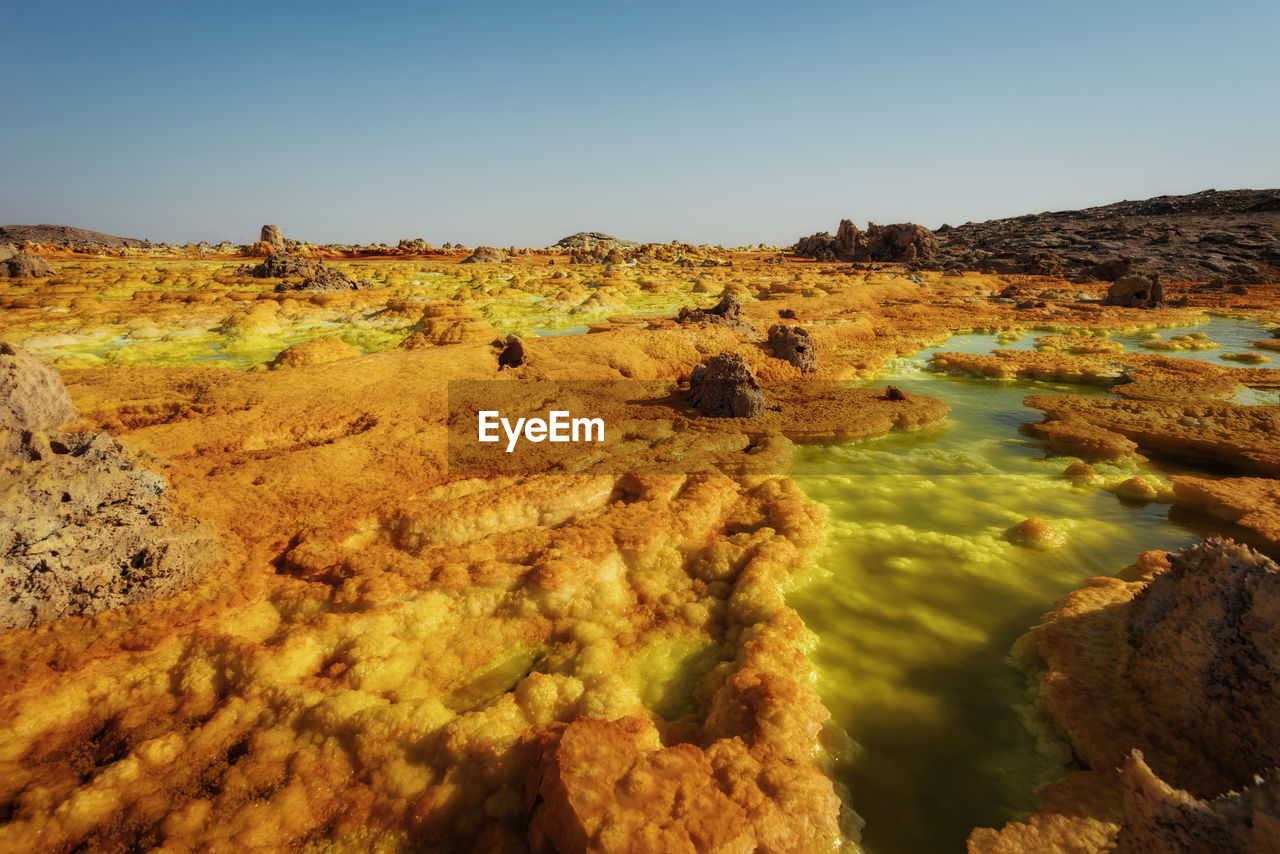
<point x="725" y="387"/>
<point x="899" y="243"/>
<point x="1135" y="291"/>
<point x="1160" y="817"/>
<point x="1233" y="235"/>
<point x="847" y="242"/>
<point x="85" y="527"/>
<point x="903" y="242"/>
<point x="592" y="240"/>
<point x="486" y="255"/>
<point x="302" y="274"/>
<point x="282" y="265"/>
<point x="32" y="396"/>
<point x="727" y="313"/>
<point x="792" y="344"/>
<point x="820" y="247"/>
<point x="273" y="237"/>
<point x="1201" y="663"/>
<point x="24" y="265"/>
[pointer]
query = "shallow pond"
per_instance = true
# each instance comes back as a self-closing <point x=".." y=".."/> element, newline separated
<point x="918" y="599"/>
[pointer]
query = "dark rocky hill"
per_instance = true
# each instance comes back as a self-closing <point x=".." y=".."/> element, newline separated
<point x="1230" y="235"/>
<point x="65" y="235"/>
<point x="1233" y="235"/>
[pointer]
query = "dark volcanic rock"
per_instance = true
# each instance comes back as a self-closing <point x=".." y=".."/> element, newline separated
<point x="727" y="312"/>
<point x="64" y="235"/>
<point x="512" y="355"/>
<point x="84" y="527"/>
<point x="903" y="242"/>
<point x="724" y="387"/>
<point x="1110" y="271"/>
<point x="793" y="344"/>
<point x="847" y="243"/>
<point x="821" y="246"/>
<point x="312" y="275"/>
<point x="486" y="255"/>
<point x="272" y="236"/>
<point x="24" y="265"/>
<point x="1183" y="238"/>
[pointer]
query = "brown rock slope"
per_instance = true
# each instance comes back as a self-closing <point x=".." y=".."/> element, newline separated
<point x="85" y="528"/>
<point x="1182" y="666"/>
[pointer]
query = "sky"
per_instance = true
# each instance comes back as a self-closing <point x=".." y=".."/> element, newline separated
<point x="517" y="123"/>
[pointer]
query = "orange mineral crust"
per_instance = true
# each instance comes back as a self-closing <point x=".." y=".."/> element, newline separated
<point x="375" y="651"/>
<point x="1172" y="677"/>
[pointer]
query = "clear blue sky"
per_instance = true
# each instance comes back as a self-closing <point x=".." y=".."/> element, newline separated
<point x="518" y="123"/>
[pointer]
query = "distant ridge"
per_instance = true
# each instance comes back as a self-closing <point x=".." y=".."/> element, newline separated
<point x="65" y="235"/>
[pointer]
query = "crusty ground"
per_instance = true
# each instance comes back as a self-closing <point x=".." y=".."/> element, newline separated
<point x="394" y="657"/>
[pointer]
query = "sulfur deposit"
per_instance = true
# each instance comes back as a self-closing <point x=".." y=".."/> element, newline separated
<point x="270" y="613"/>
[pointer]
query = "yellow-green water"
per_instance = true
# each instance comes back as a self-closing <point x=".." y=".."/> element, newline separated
<point x="918" y="599"/>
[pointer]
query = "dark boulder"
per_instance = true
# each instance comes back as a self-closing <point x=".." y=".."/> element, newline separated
<point x="725" y="387"/>
<point x="727" y="312"/>
<point x="512" y="355"/>
<point x="792" y="344"/>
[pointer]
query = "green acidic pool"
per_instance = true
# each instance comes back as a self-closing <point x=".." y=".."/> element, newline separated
<point x="918" y="599"/>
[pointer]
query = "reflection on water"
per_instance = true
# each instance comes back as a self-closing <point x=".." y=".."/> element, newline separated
<point x="917" y="598"/>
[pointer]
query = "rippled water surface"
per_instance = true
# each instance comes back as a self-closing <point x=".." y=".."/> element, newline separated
<point x="918" y="598"/>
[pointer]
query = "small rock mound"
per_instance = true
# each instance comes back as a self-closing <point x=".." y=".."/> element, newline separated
<point x="317" y="351"/>
<point x="486" y="255"/>
<point x="448" y="323"/>
<point x="512" y="355"/>
<point x="1135" y="291"/>
<point x="725" y="387"/>
<point x="302" y="274"/>
<point x="32" y="396"/>
<point x="85" y="528"/>
<point x="792" y="344"/>
<point x="1201" y="664"/>
<point x="727" y="313"/>
<point x="24" y="265"/>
